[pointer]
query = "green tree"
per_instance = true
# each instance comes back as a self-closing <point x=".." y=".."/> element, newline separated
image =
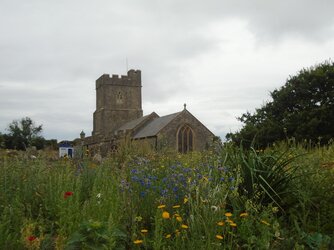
<point x="2" y="141"/>
<point x="303" y="108"/>
<point x="23" y="134"/>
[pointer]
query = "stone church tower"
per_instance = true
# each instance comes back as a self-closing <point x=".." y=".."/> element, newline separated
<point x="119" y="116"/>
<point x="118" y="101"/>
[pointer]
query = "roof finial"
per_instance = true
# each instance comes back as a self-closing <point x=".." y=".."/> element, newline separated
<point x="185" y="106"/>
<point x="82" y="134"/>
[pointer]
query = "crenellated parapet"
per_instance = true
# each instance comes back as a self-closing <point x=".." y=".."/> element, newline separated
<point x="133" y="78"/>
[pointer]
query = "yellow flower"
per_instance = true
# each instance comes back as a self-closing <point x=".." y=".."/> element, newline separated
<point x="137" y="242"/>
<point x="185" y="200"/>
<point x="233" y="224"/>
<point x="179" y="218"/>
<point x="220" y="223"/>
<point x="161" y="206"/>
<point x="168" y="236"/>
<point x="184" y="226"/>
<point x="228" y="214"/>
<point x="219" y="237"/>
<point x="165" y="215"/>
<point x="176" y="206"/>
<point x="265" y="222"/>
<point x="243" y="215"/>
<point x="144" y="231"/>
<point x="229" y="221"/>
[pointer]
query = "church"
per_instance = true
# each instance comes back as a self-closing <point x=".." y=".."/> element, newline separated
<point x="119" y="115"/>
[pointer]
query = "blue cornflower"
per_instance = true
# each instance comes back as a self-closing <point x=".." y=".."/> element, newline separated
<point x="142" y="194"/>
<point x="153" y="178"/>
<point x="222" y="179"/>
<point x="164" y="192"/>
<point x="173" y="167"/>
<point x="134" y="178"/>
<point x="186" y="170"/>
<point x="231" y="179"/>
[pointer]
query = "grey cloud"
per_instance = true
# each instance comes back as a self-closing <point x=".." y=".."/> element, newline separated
<point x="52" y="52"/>
<point x="267" y="19"/>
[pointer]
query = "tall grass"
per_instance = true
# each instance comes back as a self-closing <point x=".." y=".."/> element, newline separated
<point x="232" y="199"/>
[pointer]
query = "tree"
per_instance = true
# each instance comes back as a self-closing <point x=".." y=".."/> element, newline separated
<point x="2" y="141"/>
<point x="303" y="108"/>
<point x="23" y="134"/>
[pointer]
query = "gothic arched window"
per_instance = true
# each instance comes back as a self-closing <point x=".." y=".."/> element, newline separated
<point x="185" y="139"/>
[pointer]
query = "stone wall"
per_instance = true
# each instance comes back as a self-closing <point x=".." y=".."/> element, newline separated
<point x="202" y="136"/>
<point x="118" y="100"/>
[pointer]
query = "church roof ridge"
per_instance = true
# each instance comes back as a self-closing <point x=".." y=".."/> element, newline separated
<point x="134" y="123"/>
<point x="153" y="128"/>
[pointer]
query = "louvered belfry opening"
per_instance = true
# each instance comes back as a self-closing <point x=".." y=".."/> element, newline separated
<point x="185" y="139"/>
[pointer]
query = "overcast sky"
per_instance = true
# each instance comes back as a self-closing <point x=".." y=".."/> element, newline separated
<point x="220" y="57"/>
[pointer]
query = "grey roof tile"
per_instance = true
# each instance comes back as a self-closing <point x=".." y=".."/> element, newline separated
<point x="132" y="124"/>
<point x="155" y="126"/>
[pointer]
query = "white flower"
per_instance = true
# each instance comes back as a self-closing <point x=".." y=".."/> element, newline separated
<point x="214" y="208"/>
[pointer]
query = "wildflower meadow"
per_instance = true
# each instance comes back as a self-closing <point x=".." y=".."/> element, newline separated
<point x="224" y="198"/>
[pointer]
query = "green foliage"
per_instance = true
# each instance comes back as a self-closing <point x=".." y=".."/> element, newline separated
<point x="90" y="235"/>
<point x="303" y="108"/>
<point x="2" y="141"/>
<point x="267" y="175"/>
<point x="226" y="199"/>
<point x="23" y="134"/>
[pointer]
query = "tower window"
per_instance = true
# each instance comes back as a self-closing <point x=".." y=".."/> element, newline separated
<point x="119" y="98"/>
<point x="185" y="139"/>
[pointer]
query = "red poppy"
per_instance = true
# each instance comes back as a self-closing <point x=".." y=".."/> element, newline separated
<point x="31" y="238"/>
<point x="67" y="194"/>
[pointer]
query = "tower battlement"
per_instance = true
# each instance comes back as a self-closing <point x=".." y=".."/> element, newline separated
<point x="133" y="77"/>
<point x="118" y="100"/>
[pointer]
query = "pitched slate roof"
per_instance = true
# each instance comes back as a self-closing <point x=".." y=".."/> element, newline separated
<point x="155" y="126"/>
<point x="134" y="123"/>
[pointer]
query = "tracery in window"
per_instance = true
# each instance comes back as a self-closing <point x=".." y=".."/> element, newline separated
<point x="185" y="139"/>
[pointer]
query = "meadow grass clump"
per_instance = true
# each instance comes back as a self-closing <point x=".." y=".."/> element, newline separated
<point x="278" y="198"/>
